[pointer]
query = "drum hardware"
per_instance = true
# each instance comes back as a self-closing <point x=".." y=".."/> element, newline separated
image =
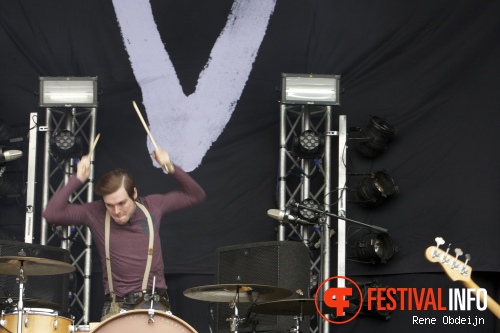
<point x="236" y="293"/>
<point x="81" y="328"/>
<point x="21" y="265"/>
<point x="298" y="308"/>
<point x="151" y="311"/>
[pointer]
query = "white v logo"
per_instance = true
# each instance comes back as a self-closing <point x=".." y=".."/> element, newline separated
<point x="186" y="126"/>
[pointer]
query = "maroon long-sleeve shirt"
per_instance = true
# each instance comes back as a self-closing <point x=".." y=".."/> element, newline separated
<point x="129" y="242"/>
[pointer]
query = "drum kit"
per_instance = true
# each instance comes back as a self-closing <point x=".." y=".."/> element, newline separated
<point x="36" y="316"/>
<point x="267" y="300"/>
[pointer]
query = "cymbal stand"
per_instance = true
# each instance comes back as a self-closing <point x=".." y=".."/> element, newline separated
<point x="20" y="306"/>
<point x="298" y="319"/>
<point x="235" y="319"/>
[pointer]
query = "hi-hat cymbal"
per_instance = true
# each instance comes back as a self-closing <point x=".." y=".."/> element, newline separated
<point x="246" y="293"/>
<point x="11" y="265"/>
<point x="290" y="307"/>
<point x="287" y="307"/>
<point x="29" y="303"/>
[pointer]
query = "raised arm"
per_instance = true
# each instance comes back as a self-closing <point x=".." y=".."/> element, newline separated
<point x="190" y="193"/>
<point x="58" y="210"/>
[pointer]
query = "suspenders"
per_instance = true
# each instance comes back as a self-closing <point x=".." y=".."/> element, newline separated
<point x="107" y="224"/>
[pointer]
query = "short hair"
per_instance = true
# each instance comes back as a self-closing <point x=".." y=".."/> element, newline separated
<point x="113" y="180"/>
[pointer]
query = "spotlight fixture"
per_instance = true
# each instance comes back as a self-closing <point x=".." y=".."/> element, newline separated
<point x="374" y="189"/>
<point x="375" y="248"/>
<point x="375" y="136"/>
<point x="66" y="145"/>
<point x="308" y="209"/>
<point x="377" y="305"/>
<point x="309" y="144"/>
<point x="68" y="92"/>
<point x="310" y="89"/>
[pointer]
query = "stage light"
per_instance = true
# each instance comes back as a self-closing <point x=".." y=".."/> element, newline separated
<point x="308" y="209"/>
<point x="310" y="89"/>
<point x="375" y="136"/>
<point x="65" y="144"/>
<point x="68" y="91"/>
<point x="375" y="305"/>
<point x="309" y="144"/>
<point x="375" y="248"/>
<point x="375" y="189"/>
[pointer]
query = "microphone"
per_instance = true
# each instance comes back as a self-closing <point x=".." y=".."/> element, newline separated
<point x="286" y="216"/>
<point x="9" y="155"/>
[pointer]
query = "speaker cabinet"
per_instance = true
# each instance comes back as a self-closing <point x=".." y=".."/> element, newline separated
<point x="38" y="289"/>
<point x="284" y="264"/>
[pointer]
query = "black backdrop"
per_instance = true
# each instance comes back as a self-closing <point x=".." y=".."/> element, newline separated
<point x="429" y="67"/>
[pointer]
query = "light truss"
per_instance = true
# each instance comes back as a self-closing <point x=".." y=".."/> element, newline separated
<point x="301" y="178"/>
<point x="76" y="239"/>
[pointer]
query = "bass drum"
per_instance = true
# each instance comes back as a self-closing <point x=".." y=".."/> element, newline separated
<point x="134" y="321"/>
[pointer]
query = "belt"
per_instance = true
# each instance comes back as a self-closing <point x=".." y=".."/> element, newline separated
<point x="135" y="296"/>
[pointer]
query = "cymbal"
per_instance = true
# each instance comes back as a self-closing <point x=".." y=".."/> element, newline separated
<point x="246" y="292"/>
<point x="29" y="303"/>
<point x="287" y="307"/>
<point x="11" y="265"/>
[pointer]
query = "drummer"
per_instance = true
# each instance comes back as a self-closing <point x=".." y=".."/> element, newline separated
<point x="120" y="224"/>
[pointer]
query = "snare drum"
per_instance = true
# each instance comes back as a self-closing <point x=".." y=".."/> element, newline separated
<point x="36" y="320"/>
<point x="134" y="321"/>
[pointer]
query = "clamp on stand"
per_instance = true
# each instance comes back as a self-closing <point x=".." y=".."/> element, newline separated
<point x="235" y="320"/>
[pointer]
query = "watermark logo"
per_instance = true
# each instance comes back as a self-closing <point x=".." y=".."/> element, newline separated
<point x="429" y="306"/>
<point x="337" y="300"/>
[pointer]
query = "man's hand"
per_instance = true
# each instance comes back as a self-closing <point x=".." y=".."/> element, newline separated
<point x="83" y="169"/>
<point x="163" y="159"/>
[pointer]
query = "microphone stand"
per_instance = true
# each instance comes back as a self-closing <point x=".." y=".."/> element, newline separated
<point x="325" y="212"/>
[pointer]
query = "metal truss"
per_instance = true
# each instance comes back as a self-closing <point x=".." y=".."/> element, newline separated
<point x="304" y="178"/>
<point x="56" y="172"/>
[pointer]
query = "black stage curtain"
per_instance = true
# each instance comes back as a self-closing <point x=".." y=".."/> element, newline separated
<point x="429" y="67"/>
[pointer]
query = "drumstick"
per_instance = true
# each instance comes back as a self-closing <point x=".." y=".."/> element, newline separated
<point x="92" y="149"/>
<point x="168" y="166"/>
<point x="94" y="144"/>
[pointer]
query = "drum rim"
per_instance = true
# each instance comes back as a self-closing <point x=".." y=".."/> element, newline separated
<point x="42" y="311"/>
<point x="145" y="311"/>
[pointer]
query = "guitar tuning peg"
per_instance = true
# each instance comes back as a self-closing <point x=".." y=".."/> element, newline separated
<point x="444" y="258"/>
<point x="463" y="270"/>
<point x="439" y="242"/>
<point x="458" y="253"/>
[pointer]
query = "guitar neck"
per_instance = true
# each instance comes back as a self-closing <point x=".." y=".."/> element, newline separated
<point x="492" y="305"/>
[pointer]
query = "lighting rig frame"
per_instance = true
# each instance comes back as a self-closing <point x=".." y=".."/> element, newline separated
<point x="302" y="178"/>
<point x="77" y="115"/>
